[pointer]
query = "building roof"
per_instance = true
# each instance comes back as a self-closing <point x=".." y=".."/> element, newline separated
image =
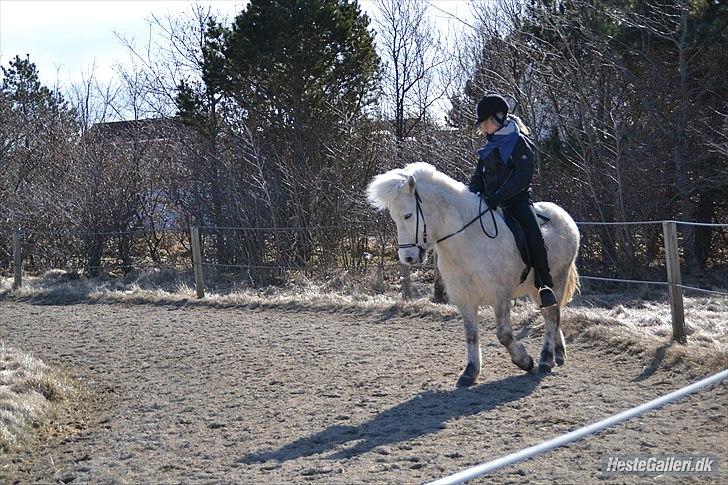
<point x="144" y="129"/>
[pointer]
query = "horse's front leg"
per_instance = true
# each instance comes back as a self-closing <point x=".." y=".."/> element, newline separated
<point x="470" y="375"/>
<point x="504" y="332"/>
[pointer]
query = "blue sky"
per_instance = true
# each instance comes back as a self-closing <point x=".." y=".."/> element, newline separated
<point x="67" y="39"/>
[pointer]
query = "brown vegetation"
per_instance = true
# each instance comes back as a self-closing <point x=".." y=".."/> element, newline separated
<point x="627" y="105"/>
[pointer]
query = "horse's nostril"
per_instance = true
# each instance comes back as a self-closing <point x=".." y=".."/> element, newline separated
<point x="409" y="259"/>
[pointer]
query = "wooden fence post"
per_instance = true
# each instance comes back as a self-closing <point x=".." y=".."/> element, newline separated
<point x="197" y="261"/>
<point x="672" y="259"/>
<point x="17" y="261"/>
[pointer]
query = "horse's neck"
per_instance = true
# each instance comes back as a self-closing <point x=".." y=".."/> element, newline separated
<point x="459" y="208"/>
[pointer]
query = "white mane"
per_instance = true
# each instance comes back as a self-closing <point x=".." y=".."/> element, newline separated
<point x="384" y="188"/>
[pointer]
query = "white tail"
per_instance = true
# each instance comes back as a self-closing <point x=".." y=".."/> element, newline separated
<point x="571" y="286"/>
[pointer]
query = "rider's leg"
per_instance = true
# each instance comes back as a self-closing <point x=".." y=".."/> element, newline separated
<point x="525" y="214"/>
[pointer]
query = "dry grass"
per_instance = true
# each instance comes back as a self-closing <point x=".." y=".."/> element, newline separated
<point x="635" y="322"/>
<point x="165" y="287"/>
<point x="30" y="393"/>
<point x="699" y="356"/>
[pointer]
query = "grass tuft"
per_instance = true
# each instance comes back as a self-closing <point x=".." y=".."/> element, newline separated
<point x="29" y="392"/>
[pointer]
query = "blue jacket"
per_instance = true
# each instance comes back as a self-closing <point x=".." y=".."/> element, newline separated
<point x="505" y="181"/>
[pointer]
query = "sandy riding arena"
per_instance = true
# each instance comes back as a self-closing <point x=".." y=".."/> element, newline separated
<point x="178" y="391"/>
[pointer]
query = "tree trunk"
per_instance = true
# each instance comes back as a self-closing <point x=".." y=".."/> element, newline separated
<point x="405" y="281"/>
<point x="703" y="234"/>
<point x="680" y="150"/>
<point x="439" y="295"/>
<point x="124" y="248"/>
<point x="93" y="256"/>
<point x="686" y="206"/>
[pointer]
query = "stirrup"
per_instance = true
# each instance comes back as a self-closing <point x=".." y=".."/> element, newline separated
<point x="547" y="297"/>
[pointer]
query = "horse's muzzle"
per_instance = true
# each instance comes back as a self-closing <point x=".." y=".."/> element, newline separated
<point x="412" y="256"/>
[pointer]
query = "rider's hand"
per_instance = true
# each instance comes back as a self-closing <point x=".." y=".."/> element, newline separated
<point x="492" y="202"/>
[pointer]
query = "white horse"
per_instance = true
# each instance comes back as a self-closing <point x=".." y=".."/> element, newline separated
<point x="431" y="209"/>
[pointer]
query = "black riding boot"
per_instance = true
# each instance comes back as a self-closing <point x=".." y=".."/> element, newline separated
<point x="524" y="212"/>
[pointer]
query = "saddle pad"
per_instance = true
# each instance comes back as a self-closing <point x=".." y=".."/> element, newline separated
<point x="520" y="238"/>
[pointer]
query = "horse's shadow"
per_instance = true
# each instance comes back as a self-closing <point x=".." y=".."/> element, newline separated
<point x="421" y="415"/>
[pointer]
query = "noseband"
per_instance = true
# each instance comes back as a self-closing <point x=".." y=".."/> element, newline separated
<point x="418" y="213"/>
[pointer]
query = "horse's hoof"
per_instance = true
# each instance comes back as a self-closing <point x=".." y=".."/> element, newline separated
<point x="560" y="361"/>
<point x="529" y="367"/>
<point x="544" y="369"/>
<point x="465" y="381"/>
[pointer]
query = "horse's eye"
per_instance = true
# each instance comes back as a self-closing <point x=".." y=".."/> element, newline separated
<point x="408" y="216"/>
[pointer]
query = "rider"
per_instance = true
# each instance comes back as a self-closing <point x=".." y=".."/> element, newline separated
<point x="503" y="179"/>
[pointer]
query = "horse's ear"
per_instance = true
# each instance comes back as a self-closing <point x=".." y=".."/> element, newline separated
<point x="408" y="187"/>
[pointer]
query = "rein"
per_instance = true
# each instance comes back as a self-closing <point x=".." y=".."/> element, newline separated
<point x="418" y="211"/>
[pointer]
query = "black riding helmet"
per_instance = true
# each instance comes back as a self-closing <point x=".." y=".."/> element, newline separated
<point x="489" y="105"/>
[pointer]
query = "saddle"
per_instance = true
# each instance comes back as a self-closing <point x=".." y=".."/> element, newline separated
<point x="520" y="236"/>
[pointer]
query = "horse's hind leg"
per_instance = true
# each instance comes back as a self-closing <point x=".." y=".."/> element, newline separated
<point x="552" y="316"/>
<point x="472" y="370"/>
<point x="560" y="348"/>
<point x="519" y="354"/>
<point x="560" y="344"/>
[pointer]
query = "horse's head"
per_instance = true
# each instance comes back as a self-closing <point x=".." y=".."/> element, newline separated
<point x="396" y="191"/>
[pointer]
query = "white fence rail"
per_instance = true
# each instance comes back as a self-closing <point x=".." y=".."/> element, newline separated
<point x="525" y="454"/>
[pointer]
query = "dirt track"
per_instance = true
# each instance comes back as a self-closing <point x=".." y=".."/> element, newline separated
<point x="184" y="393"/>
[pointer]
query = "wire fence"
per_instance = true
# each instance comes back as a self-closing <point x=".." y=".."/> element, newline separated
<point x="645" y="223"/>
<point x="634" y="252"/>
<point x="621" y="252"/>
<point x="357" y="255"/>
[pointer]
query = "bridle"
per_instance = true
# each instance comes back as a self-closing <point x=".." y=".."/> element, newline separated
<point x="419" y="213"/>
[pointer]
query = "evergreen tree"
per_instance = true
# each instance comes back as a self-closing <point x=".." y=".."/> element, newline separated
<point x="297" y="60"/>
<point x="277" y="98"/>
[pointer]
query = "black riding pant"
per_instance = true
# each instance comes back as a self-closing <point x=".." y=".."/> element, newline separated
<point x="521" y="208"/>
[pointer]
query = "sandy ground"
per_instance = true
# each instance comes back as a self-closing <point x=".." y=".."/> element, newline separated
<point x="180" y="393"/>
